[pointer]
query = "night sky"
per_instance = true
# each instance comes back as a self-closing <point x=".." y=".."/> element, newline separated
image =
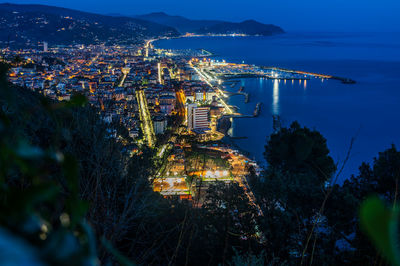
<point x="292" y="15"/>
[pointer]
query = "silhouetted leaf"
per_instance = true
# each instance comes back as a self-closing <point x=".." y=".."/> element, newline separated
<point x="381" y="224"/>
<point x="77" y="209"/>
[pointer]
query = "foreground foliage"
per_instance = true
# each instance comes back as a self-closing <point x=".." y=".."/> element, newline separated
<point x="70" y="194"/>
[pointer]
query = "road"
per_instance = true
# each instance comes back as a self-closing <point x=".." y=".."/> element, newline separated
<point x="180" y="102"/>
<point x="147" y="123"/>
<point x="208" y="80"/>
<point x="122" y="80"/>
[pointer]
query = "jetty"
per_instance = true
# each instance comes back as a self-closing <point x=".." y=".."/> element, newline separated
<point x="256" y="113"/>
<point x="323" y="76"/>
<point x="257" y="110"/>
<point x="245" y="94"/>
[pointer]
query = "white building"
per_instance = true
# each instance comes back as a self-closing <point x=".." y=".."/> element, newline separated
<point x="210" y="94"/>
<point x="199" y="95"/>
<point x="197" y="117"/>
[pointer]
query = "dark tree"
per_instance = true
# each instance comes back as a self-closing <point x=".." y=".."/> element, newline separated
<point x="381" y="179"/>
<point x="300" y="150"/>
<point x="231" y="219"/>
<point x="292" y="190"/>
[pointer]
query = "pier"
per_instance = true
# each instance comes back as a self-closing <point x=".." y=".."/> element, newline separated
<point x="239" y="92"/>
<point x="206" y="53"/>
<point x="245" y="94"/>
<point x="257" y="110"/>
<point x="323" y="76"/>
<point x="229" y="71"/>
<point x="256" y="113"/>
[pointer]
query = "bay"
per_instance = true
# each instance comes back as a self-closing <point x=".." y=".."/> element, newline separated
<point x="369" y="110"/>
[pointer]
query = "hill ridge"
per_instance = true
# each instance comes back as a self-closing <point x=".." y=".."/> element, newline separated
<point x="24" y="25"/>
<point x="185" y="25"/>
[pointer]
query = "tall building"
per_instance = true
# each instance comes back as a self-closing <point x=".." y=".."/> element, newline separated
<point x="160" y="124"/>
<point x="45" y="46"/>
<point x="197" y="117"/>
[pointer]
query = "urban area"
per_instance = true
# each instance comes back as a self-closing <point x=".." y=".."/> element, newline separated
<point x="173" y="101"/>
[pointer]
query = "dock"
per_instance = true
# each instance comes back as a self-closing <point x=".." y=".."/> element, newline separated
<point x="245" y="94"/>
<point x="256" y="113"/>
<point x="257" y="110"/>
<point x="323" y="76"/>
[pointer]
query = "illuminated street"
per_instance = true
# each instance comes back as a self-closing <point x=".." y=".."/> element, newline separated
<point x="147" y="124"/>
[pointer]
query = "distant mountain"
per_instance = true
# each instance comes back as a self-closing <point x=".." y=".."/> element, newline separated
<point x="30" y="24"/>
<point x="249" y="27"/>
<point x="184" y="25"/>
<point x="114" y="15"/>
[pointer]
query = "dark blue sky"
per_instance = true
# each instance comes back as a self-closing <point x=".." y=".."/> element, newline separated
<point x="308" y="15"/>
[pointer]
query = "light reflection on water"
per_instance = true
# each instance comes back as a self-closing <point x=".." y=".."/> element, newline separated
<point x="275" y="102"/>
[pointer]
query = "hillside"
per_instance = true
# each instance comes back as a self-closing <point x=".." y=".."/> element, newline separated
<point x="30" y="24"/>
<point x="180" y="23"/>
<point x="249" y="27"/>
<point x="184" y="25"/>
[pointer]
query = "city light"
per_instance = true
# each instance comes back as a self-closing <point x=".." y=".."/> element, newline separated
<point x="145" y="117"/>
<point x="159" y="73"/>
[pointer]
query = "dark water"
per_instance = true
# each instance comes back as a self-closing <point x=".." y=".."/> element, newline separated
<point x="368" y="110"/>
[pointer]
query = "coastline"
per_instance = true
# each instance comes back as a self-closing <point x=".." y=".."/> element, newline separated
<point x="227" y="140"/>
<point x="300" y="101"/>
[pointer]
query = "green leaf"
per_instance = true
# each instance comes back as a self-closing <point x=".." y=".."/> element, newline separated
<point x="381" y="225"/>
<point x="77" y="209"/>
<point x="27" y="199"/>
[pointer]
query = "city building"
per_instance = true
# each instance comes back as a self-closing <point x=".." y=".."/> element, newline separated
<point x="160" y="124"/>
<point x="199" y="95"/>
<point x="197" y="117"/>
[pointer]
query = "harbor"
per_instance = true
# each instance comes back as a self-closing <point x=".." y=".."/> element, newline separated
<point x="314" y="101"/>
<point x="220" y="75"/>
<point x="222" y="70"/>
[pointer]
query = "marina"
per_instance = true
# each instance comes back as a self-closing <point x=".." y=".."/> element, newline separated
<point x="335" y="109"/>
